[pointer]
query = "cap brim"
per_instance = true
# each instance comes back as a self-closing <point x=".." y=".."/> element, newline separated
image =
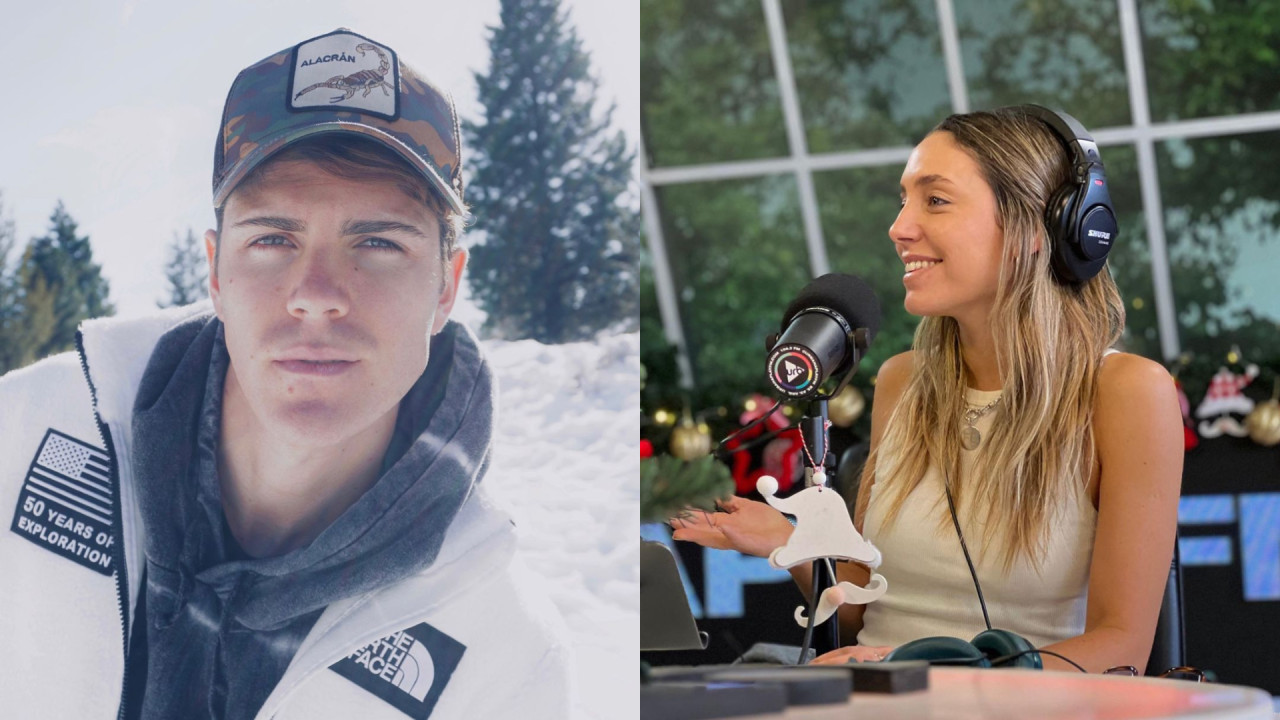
<point x="278" y="142"/>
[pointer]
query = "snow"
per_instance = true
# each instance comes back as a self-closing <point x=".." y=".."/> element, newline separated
<point x="566" y="462"/>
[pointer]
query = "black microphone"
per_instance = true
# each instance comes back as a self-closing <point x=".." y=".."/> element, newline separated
<point x="825" y="332"/>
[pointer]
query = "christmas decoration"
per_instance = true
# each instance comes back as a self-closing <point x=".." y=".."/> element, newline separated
<point x="824" y="529"/>
<point x="780" y="457"/>
<point x="1225" y="397"/>
<point x="1189" y="437"/>
<point x="845" y="409"/>
<point x="670" y="486"/>
<point x="1264" y="422"/>
<point x="690" y="440"/>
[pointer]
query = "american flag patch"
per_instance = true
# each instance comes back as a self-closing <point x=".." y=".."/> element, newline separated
<point x="65" y="503"/>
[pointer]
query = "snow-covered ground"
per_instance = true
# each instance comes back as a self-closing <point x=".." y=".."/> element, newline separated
<point x="567" y="462"/>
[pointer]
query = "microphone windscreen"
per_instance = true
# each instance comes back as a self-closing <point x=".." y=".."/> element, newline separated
<point x="846" y="294"/>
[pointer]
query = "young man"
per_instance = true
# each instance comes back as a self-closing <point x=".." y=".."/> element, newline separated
<point x="272" y="508"/>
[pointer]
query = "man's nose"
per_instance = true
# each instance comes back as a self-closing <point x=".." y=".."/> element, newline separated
<point x="319" y="287"/>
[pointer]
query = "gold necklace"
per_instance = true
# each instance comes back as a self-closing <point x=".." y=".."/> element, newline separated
<point x="970" y="437"/>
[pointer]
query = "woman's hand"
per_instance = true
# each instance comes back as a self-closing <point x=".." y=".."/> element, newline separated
<point x="748" y="526"/>
<point x="853" y="653"/>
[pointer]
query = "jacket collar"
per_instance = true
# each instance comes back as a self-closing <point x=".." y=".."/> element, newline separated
<point x="115" y="354"/>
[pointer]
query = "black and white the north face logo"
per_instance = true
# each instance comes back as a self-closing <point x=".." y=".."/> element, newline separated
<point x="343" y="70"/>
<point x="408" y="669"/>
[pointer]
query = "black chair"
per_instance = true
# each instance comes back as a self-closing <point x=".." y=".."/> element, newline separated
<point x="1169" y="647"/>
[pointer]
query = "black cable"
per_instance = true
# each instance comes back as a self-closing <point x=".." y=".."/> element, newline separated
<point x="835" y="629"/>
<point x="748" y="426"/>
<point x="813" y="615"/>
<point x="1002" y="660"/>
<point x="755" y="442"/>
<point x="972" y="573"/>
<point x="1007" y="658"/>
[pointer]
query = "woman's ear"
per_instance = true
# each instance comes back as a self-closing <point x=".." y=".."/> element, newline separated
<point x="1037" y="243"/>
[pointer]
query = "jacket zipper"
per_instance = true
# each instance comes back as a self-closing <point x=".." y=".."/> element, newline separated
<point x="117" y="554"/>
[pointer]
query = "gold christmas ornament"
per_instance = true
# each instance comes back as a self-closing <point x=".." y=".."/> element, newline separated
<point x="1264" y="422"/>
<point x="845" y="408"/>
<point x="690" y="440"/>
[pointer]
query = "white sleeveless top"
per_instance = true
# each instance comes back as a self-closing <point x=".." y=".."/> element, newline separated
<point x="930" y="590"/>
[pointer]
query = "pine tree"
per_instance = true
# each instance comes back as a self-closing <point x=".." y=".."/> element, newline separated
<point x="38" y="322"/>
<point x="10" y="310"/>
<point x="59" y="264"/>
<point x="186" y="270"/>
<point x="670" y="486"/>
<point x="550" y="188"/>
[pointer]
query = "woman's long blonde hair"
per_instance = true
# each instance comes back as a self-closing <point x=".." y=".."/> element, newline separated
<point x="1049" y="341"/>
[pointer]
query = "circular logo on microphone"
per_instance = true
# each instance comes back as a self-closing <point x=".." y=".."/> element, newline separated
<point x="793" y="371"/>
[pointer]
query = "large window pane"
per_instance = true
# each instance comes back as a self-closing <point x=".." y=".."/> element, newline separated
<point x="738" y="257"/>
<point x="1065" y="53"/>
<point x="1130" y="260"/>
<point x="707" y="87"/>
<point x="868" y="74"/>
<point x="1210" y="58"/>
<point x="657" y="354"/>
<point x="857" y="208"/>
<point x="1222" y="216"/>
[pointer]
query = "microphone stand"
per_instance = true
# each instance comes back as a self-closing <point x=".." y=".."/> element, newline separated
<point x="818" y="461"/>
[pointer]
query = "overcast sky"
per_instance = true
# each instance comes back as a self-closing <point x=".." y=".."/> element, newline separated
<point x="116" y="104"/>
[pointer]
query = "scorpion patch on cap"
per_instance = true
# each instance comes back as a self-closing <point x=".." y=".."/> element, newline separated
<point x="345" y="70"/>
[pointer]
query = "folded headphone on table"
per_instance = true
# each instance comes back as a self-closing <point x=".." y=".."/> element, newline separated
<point x="1079" y="219"/>
<point x="990" y="648"/>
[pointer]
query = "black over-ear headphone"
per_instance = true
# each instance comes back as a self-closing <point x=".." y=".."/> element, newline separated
<point x="1079" y="220"/>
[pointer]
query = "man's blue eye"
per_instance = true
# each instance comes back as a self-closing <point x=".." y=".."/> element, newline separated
<point x="275" y="240"/>
<point x="381" y="244"/>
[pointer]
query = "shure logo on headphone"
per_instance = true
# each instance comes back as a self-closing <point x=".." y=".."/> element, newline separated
<point x="1100" y="234"/>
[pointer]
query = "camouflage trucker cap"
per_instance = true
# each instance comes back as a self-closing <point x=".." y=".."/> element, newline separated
<point x="338" y="82"/>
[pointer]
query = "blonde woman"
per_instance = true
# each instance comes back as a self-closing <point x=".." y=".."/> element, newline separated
<point x="1063" y="457"/>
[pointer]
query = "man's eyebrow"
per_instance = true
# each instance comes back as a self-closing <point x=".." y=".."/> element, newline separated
<point x="352" y="227"/>
<point x="373" y="227"/>
<point x="279" y="223"/>
<point x="926" y="180"/>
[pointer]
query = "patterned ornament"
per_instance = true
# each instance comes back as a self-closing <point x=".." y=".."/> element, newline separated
<point x="845" y="408"/>
<point x="690" y="440"/>
<point x="1189" y="438"/>
<point x="780" y="457"/>
<point x="1224" y="398"/>
<point x="1264" y="422"/>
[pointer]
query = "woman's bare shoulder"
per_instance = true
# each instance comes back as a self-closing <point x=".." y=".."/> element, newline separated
<point x="1124" y="375"/>
<point x="894" y="374"/>
<point x="897" y="367"/>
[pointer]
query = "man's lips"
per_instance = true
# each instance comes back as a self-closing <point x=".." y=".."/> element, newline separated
<point x="315" y="367"/>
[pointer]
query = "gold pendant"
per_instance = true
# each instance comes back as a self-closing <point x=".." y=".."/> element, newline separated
<point x="970" y="437"/>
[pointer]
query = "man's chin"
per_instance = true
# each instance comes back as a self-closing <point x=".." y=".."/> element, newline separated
<point x="315" y="423"/>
